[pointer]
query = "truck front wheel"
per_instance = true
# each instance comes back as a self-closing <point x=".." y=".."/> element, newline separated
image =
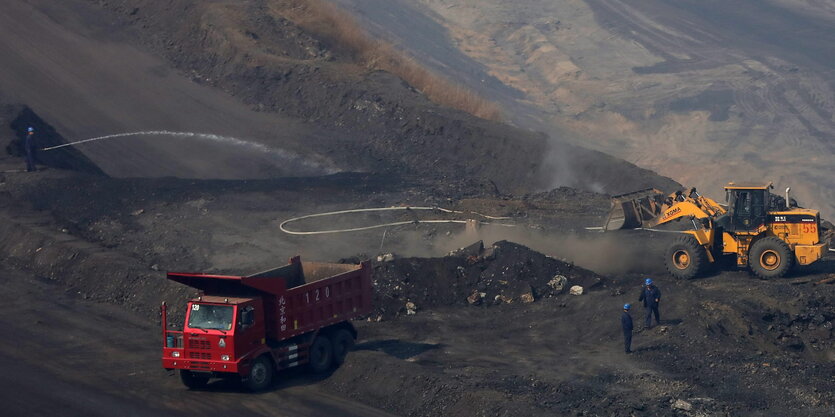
<point x="192" y="380"/>
<point x="321" y="354"/>
<point x="260" y="375"/>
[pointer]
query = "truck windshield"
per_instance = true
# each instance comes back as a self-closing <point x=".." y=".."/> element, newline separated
<point x="207" y="316"/>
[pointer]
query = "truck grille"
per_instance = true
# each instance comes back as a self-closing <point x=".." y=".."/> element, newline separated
<point x="199" y="344"/>
<point x="200" y="355"/>
<point x="201" y="366"/>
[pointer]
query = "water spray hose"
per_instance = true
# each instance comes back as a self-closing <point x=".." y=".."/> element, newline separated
<point x="209" y="136"/>
<point x="255" y="146"/>
<point x="377" y="226"/>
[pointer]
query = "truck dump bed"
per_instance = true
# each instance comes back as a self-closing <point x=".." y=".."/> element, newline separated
<point x="299" y="297"/>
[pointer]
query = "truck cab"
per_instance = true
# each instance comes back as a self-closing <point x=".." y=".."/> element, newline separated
<point x="218" y="333"/>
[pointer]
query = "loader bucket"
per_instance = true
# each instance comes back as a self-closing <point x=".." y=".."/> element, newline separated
<point x="631" y="210"/>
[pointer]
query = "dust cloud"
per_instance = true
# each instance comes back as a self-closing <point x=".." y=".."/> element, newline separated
<point x="604" y="253"/>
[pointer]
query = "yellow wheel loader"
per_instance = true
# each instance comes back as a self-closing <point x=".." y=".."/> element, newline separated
<point x="765" y="232"/>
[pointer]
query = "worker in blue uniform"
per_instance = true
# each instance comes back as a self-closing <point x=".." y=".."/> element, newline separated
<point x="651" y="296"/>
<point x="29" y="147"/>
<point x="626" y="323"/>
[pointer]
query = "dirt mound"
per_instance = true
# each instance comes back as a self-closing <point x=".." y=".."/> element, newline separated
<point x="505" y="272"/>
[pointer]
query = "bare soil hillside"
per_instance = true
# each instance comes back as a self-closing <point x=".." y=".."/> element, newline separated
<point x="671" y="86"/>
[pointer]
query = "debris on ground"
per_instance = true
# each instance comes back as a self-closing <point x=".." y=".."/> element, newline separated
<point x="387" y="257"/>
<point x="558" y="282"/>
<point x="682" y="405"/>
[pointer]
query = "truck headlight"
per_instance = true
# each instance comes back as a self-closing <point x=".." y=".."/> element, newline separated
<point x="224" y="357"/>
<point x="175" y="353"/>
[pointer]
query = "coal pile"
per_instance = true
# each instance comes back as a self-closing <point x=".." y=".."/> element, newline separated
<point x="810" y="329"/>
<point x="477" y="276"/>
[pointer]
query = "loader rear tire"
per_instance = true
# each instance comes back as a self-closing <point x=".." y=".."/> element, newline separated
<point x="770" y="257"/>
<point x="193" y="380"/>
<point x="321" y="354"/>
<point x="685" y="258"/>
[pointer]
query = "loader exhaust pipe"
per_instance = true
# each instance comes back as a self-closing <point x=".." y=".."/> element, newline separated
<point x="787" y="195"/>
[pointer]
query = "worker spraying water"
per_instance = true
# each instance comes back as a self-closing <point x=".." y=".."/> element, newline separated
<point x="29" y="147"/>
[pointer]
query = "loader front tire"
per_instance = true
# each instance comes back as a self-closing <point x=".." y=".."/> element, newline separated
<point x="770" y="257"/>
<point x="685" y="258"/>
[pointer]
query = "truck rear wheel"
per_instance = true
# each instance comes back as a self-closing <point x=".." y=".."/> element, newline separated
<point x="685" y="258"/>
<point x="343" y="341"/>
<point x="260" y="375"/>
<point x="770" y="257"/>
<point x="321" y="354"/>
<point x="193" y="380"/>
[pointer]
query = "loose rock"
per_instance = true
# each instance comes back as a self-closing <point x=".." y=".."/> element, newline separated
<point x="388" y="257"/>
<point x="682" y="405"/>
<point x="558" y="282"/>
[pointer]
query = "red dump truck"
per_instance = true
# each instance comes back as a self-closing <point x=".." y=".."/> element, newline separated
<point x="250" y="327"/>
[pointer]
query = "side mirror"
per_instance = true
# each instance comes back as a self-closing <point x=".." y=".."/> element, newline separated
<point x="247" y="317"/>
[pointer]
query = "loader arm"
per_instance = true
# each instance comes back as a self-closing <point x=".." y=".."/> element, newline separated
<point x="650" y="208"/>
<point x="710" y="206"/>
<point x="678" y="210"/>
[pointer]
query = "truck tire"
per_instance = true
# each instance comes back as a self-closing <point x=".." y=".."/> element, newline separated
<point x="192" y="380"/>
<point x="260" y="375"/>
<point x="343" y="341"/>
<point x="321" y="354"/>
<point x="770" y="257"/>
<point x="685" y="258"/>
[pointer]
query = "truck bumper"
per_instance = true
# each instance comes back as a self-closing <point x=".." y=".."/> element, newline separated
<point x="806" y="254"/>
<point x="202" y="365"/>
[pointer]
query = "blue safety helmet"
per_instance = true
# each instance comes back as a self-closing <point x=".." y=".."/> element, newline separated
<point x="30" y="129"/>
<point x="627" y="306"/>
<point x="648" y="282"/>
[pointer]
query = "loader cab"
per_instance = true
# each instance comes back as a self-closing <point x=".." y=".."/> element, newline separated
<point x="747" y="206"/>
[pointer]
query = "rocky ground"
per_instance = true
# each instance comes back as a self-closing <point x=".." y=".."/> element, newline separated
<point x="488" y="329"/>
